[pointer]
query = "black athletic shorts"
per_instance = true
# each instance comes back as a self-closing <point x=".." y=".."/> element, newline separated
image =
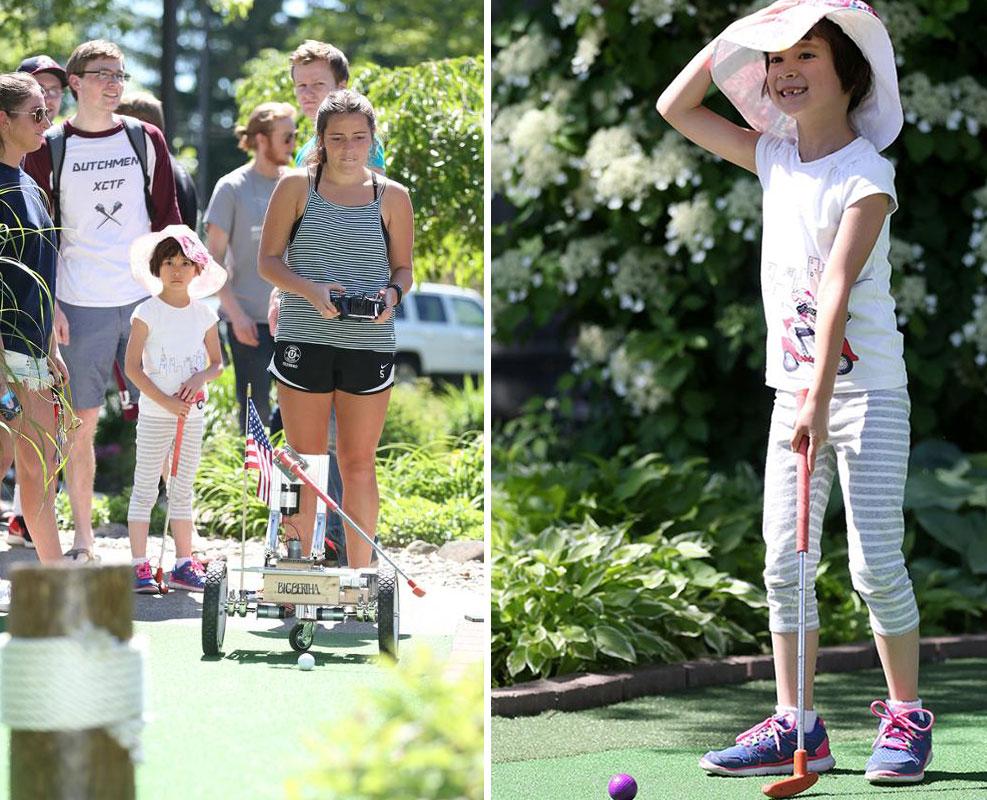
<point x="322" y="368"/>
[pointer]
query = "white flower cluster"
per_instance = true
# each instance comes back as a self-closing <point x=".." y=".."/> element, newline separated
<point x="903" y="21"/>
<point x="582" y="258"/>
<point x="691" y="225"/>
<point x="636" y="279"/>
<point x="593" y="346"/>
<point x="975" y="330"/>
<point x="514" y="272"/>
<point x="910" y="288"/>
<point x="523" y="57"/>
<point x="742" y="208"/>
<point x="962" y="102"/>
<point x="620" y="172"/>
<point x="587" y="49"/>
<point x="525" y="159"/>
<point x="568" y="11"/>
<point x="660" y="12"/>
<point x="636" y="380"/>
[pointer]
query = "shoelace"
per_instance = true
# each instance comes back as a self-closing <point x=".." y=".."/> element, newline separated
<point x="772" y="727"/>
<point x="898" y="730"/>
<point x="144" y="571"/>
<point x="196" y="566"/>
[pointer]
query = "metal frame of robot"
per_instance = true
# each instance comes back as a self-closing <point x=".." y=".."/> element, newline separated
<point x="369" y="594"/>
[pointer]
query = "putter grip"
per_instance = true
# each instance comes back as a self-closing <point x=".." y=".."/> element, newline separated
<point x="802" y="492"/>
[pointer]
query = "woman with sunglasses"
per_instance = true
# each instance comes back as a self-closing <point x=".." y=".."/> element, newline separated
<point x="31" y="369"/>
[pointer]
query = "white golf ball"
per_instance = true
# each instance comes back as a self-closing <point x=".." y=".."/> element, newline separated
<point x="306" y="661"/>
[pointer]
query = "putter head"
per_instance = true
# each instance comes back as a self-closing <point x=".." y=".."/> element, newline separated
<point x="285" y="457"/>
<point x="801" y="780"/>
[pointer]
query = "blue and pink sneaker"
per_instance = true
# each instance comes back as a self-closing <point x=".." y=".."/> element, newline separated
<point x="190" y="576"/>
<point x="769" y="749"/>
<point x="144" y="582"/>
<point x="903" y="747"/>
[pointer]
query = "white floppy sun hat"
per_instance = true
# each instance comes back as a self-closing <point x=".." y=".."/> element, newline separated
<point x="209" y="281"/>
<point x="738" y="64"/>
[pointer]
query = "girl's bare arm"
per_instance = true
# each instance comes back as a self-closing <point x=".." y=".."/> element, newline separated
<point x="681" y="104"/>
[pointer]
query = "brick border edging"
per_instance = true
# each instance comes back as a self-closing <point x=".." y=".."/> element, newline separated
<point x="588" y="690"/>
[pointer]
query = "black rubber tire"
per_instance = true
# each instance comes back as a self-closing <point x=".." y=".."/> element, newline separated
<point x="299" y="642"/>
<point x="407" y="368"/>
<point x="214" y="597"/>
<point x="845" y="366"/>
<point x="388" y="612"/>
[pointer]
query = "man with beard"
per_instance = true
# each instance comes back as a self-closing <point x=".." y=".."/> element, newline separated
<point x="233" y="224"/>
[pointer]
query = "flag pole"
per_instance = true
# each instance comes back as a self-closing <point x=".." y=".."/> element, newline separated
<point x="243" y="503"/>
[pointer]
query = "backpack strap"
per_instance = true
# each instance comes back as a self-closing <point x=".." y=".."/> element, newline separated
<point x="134" y="129"/>
<point x="55" y="136"/>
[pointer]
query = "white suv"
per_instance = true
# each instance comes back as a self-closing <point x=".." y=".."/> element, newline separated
<point x="439" y="331"/>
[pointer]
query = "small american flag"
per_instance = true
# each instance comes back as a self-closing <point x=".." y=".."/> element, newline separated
<point x="258" y="454"/>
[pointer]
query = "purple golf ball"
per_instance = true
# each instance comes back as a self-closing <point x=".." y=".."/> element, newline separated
<point x="622" y="787"/>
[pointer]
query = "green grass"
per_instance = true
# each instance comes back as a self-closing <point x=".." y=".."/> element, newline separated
<point x="237" y="727"/>
<point x="570" y="756"/>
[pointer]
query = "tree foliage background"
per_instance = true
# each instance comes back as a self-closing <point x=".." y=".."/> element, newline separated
<point x="647" y="248"/>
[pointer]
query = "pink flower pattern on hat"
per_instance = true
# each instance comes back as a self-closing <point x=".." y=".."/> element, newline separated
<point x="193" y="250"/>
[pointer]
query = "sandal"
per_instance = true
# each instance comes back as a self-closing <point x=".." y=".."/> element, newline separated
<point x="81" y="555"/>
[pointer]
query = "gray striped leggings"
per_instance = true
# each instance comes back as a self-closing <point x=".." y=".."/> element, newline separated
<point x="868" y="445"/>
<point x="155" y="436"/>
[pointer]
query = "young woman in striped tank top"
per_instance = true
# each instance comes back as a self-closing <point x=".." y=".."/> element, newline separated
<point x="337" y="227"/>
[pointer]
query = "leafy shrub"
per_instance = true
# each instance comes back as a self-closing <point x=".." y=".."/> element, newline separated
<point x="415" y="734"/>
<point x="414" y="416"/>
<point x="63" y="511"/>
<point x="404" y="519"/>
<point x="437" y="472"/>
<point x="583" y="596"/>
<point x="463" y="406"/>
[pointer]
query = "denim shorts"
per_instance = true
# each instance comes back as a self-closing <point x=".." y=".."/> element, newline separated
<point x="31" y="372"/>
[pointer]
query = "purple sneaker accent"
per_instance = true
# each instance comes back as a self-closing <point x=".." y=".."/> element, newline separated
<point x="190" y="576"/>
<point x="769" y="749"/>
<point x="903" y="747"/>
<point x="144" y="582"/>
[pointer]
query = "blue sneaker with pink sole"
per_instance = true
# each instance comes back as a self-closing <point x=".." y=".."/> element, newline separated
<point x="903" y="747"/>
<point x="769" y="749"/>
<point x="190" y="576"/>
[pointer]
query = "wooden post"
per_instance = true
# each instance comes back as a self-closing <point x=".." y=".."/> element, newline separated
<point x="55" y="601"/>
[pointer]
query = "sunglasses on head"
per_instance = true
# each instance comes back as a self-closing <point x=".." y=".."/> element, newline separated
<point x="38" y="113"/>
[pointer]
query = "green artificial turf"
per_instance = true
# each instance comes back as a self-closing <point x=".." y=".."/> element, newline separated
<point x="236" y="726"/>
<point x="658" y="740"/>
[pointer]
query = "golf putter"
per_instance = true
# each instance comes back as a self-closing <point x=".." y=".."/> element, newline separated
<point x="293" y="466"/>
<point x="801" y="778"/>
<point x="172" y="472"/>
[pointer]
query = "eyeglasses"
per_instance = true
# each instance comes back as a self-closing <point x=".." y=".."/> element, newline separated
<point x="38" y="114"/>
<point x="56" y="92"/>
<point x="107" y="75"/>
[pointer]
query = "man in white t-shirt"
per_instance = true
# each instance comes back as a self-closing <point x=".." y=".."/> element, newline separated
<point x="104" y="200"/>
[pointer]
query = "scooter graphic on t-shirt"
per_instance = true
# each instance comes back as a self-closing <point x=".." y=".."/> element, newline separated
<point x="798" y="343"/>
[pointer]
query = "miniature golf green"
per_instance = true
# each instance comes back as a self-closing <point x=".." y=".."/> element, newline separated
<point x="238" y="726"/>
<point x="658" y="740"/>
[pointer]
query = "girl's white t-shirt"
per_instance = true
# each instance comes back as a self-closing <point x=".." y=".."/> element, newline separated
<point x="175" y="348"/>
<point x="803" y="207"/>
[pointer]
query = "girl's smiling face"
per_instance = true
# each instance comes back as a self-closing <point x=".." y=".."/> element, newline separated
<point x="804" y="77"/>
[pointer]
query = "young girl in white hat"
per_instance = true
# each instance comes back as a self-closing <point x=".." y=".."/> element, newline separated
<point x="172" y="353"/>
<point x="816" y="81"/>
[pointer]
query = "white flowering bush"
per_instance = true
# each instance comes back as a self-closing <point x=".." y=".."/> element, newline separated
<point x="644" y="250"/>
